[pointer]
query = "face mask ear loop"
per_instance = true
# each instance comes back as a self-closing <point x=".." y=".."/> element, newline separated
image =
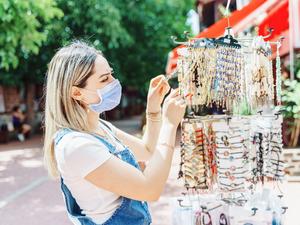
<point x="100" y="96"/>
<point x="84" y="105"/>
<point x="97" y="94"/>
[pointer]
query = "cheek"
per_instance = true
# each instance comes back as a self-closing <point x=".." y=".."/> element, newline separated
<point x="92" y="98"/>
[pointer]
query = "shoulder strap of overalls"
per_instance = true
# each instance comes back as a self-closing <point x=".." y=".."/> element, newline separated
<point x="74" y="211"/>
<point x="60" y="134"/>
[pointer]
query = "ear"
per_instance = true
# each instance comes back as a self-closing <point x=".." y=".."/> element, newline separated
<point x="76" y="93"/>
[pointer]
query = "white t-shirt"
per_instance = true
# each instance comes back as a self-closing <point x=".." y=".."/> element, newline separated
<point x="77" y="155"/>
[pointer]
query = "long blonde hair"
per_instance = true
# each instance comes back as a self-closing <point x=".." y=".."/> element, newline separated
<point x="70" y="66"/>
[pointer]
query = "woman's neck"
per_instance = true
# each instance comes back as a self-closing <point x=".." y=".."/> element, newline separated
<point x="93" y="120"/>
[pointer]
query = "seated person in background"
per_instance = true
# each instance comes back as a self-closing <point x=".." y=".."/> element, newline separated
<point x="18" y="120"/>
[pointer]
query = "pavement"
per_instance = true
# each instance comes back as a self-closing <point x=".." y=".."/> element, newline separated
<point x="29" y="197"/>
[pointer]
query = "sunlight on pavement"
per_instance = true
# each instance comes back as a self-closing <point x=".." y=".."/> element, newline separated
<point x="32" y="163"/>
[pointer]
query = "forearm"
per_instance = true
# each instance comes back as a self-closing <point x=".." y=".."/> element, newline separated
<point x="158" y="168"/>
<point x="151" y="134"/>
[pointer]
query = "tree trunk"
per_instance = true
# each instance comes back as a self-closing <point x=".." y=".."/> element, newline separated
<point x="295" y="133"/>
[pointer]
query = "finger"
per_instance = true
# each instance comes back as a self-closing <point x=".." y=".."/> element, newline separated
<point x="174" y="92"/>
<point x="176" y="96"/>
<point x="164" y="89"/>
<point x="166" y="85"/>
<point x="180" y="102"/>
<point x="158" y="85"/>
<point x="156" y="80"/>
<point x="170" y="96"/>
<point x="171" y="101"/>
<point x="183" y="106"/>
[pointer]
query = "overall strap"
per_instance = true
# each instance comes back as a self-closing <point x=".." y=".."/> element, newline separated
<point x="60" y="134"/>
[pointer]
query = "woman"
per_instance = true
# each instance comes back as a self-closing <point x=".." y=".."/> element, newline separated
<point x="18" y="120"/>
<point x="100" y="178"/>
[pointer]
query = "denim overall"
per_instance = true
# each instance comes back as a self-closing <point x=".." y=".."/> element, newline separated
<point x="130" y="212"/>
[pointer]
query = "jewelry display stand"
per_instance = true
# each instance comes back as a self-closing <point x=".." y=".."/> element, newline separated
<point x="231" y="136"/>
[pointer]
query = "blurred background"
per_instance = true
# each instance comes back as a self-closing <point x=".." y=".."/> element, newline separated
<point x="134" y="36"/>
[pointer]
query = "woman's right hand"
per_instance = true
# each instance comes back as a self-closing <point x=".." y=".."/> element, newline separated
<point x="173" y="108"/>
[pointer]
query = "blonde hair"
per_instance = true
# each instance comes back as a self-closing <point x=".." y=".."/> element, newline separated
<point x="71" y="66"/>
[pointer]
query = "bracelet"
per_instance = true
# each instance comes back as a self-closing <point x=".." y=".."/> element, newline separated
<point x="153" y="113"/>
<point x="155" y="117"/>
<point x="154" y="120"/>
<point x="167" y="145"/>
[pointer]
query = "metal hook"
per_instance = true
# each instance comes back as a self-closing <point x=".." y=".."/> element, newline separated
<point x="174" y="38"/>
<point x="276" y="118"/>
<point x="218" y="206"/>
<point x="227" y="117"/>
<point x="270" y="31"/>
<point x="281" y="38"/>
<point x="203" y="207"/>
<point x="181" y="205"/>
<point x="186" y="34"/>
<point x="284" y="209"/>
<point x="254" y="211"/>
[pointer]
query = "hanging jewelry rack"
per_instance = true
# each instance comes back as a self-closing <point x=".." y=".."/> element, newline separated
<point x="215" y="143"/>
<point x="189" y="43"/>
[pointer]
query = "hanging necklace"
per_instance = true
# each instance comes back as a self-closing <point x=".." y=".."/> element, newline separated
<point x="278" y="75"/>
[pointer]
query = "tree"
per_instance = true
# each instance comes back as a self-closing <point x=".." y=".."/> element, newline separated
<point x="134" y="35"/>
<point x="150" y="23"/>
<point x="21" y="31"/>
<point x="24" y="27"/>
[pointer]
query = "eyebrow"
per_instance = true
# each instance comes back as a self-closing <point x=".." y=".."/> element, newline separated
<point x="105" y="74"/>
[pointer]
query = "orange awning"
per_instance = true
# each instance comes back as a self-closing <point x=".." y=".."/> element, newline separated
<point x="278" y="19"/>
<point x="239" y="19"/>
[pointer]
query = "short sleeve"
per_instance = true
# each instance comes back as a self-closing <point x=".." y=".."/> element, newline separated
<point x="83" y="154"/>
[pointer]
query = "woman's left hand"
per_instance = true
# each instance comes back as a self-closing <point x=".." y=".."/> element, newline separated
<point x="158" y="88"/>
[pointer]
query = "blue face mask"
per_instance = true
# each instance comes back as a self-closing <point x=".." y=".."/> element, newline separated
<point x="110" y="97"/>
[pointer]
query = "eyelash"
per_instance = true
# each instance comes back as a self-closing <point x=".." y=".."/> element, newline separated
<point x="111" y="73"/>
<point x="105" y="79"/>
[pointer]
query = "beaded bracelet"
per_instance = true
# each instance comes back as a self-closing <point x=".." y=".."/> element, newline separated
<point x="155" y="117"/>
<point x="166" y="144"/>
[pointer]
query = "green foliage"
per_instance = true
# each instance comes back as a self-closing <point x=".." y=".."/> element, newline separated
<point x="150" y="23"/>
<point x="291" y="97"/>
<point x="134" y="35"/>
<point x="21" y="30"/>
